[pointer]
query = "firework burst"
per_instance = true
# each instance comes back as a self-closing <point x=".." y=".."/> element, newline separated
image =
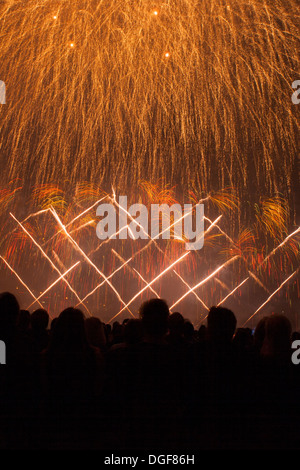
<point x="184" y="91"/>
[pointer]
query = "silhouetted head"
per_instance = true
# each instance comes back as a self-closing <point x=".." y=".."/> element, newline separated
<point x="259" y="333"/>
<point x="23" y="320"/>
<point x="53" y="322"/>
<point x="188" y="331"/>
<point x="221" y="324"/>
<point x="176" y="324"/>
<point x="117" y="332"/>
<point x="202" y="332"/>
<point x="68" y="334"/>
<point x="39" y="319"/>
<point x="154" y="314"/>
<point x="295" y="336"/>
<point x="277" y="340"/>
<point x="9" y="311"/>
<point x="133" y="332"/>
<point x="108" y="330"/>
<point x="243" y="339"/>
<point x="95" y="332"/>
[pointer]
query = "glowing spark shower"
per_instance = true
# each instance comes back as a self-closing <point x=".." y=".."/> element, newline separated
<point x="92" y="96"/>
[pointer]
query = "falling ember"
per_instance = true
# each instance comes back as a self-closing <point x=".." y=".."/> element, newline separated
<point x="202" y="101"/>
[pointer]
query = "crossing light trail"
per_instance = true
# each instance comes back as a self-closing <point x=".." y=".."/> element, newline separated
<point x="53" y="284"/>
<point x="264" y="260"/>
<point x="108" y="239"/>
<point x="281" y="244"/>
<point x="152" y="282"/>
<point x="77" y="247"/>
<point x="233" y="243"/>
<point x="153" y="240"/>
<point x="128" y="264"/>
<point x="77" y="217"/>
<point x="205" y="280"/>
<point x="48" y="259"/>
<point x="135" y="271"/>
<point x="104" y="282"/>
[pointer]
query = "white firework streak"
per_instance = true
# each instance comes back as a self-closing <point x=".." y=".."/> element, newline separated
<point x="75" y="244"/>
<point x="152" y="282"/>
<point x="266" y="258"/>
<point x="110" y="238"/>
<point x="76" y="218"/>
<point x="21" y="281"/>
<point x="271" y="296"/>
<point x="50" y="261"/>
<point x="118" y="269"/>
<point x="281" y="244"/>
<point x="103" y="282"/>
<point x="54" y="283"/>
<point x="205" y="280"/>
<point x="134" y="270"/>
<point x="233" y="291"/>
<point x="34" y="214"/>
<point x="233" y="243"/>
<point x="251" y="274"/>
<point x="153" y="240"/>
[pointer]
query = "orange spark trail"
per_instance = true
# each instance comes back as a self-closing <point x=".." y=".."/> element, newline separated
<point x="281" y="244"/>
<point x="233" y="243"/>
<point x="78" y="217"/>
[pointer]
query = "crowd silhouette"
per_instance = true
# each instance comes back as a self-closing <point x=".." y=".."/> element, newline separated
<point x="149" y="383"/>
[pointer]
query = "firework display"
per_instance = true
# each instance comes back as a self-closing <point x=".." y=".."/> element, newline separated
<point x="70" y="264"/>
<point x="167" y="102"/>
